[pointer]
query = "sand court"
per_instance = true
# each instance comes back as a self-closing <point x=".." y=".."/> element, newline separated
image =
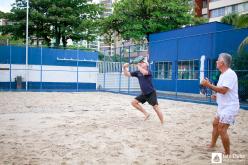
<point x="103" y="128"/>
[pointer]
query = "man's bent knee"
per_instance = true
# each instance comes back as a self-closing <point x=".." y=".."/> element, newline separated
<point x="222" y="128"/>
<point x="134" y="103"/>
<point x="155" y="107"/>
<point x="215" y="122"/>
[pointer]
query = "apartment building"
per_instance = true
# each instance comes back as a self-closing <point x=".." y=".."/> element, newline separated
<point x="108" y="5"/>
<point x="98" y="44"/>
<point x="3" y="22"/>
<point x="216" y="9"/>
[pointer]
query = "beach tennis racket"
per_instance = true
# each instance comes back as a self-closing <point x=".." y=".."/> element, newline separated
<point x="205" y="90"/>
<point x="137" y="60"/>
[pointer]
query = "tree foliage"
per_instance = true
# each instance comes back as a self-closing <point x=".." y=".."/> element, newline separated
<point x="198" y="20"/>
<point x="242" y="22"/>
<point x="230" y="19"/>
<point x="59" y="19"/>
<point x="2" y="14"/>
<point x="136" y="19"/>
<point x="239" y="21"/>
<point x="240" y="60"/>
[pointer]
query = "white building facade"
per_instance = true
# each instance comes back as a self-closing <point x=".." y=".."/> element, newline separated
<point x="216" y="9"/>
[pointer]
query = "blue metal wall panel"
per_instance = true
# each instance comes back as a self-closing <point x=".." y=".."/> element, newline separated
<point x="229" y="41"/>
<point x="190" y="43"/>
<point x="18" y="55"/>
<point x="190" y="30"/>
<point x="49" y="85"/>
<point x="34" y="57"/>
<point x="4" y="55"/>
<point x="222" y="26"/>
<point x="61" y="86"/>
<point x="188" y="86"/>
<point x="194" y="47"/>
<point x="164" y="85"/>
<point x="49" y="56"/>
<point x="6" y="85"/>
<point x="163" y="50"/>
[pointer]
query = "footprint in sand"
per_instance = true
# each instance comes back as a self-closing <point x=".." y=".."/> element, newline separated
<point x="26" y="131"/>
<point x="243" y="141"/>
<point x="147" y="139"/>
<point x="2" y="135"/>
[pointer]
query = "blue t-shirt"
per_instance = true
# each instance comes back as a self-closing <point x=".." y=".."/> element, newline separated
<point x="145" y="81"/>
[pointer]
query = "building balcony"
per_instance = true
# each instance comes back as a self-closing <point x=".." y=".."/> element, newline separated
<point x="204" y="11"/>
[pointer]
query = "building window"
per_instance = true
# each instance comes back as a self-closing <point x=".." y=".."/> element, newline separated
<point x="188" y="70"/>
<point x="163" y="70"/>
<point x="245" y="6"/>
<point x="235" y="8"/>
<point x="238" y="8"/>
<point x="228" y="10"/>
<point x="204" y="4"/>
<point x="242" y="7"/>
<point x="218" y="12"/>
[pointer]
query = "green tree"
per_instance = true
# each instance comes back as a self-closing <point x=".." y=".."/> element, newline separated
<point x="240" y="60"/>
<point x="239" y="21"/>
<point x="230" y="19"/>
<point x="198" y="20"/>
<point x="136" y="19"/>
<point x="107" y="30"/>
<point x="59" y="19"/>
<point x="242" y="22"/>
<point x="2" y="14"/>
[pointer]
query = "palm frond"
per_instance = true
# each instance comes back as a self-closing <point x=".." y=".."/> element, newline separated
<point x="242" y="21"/>
<point x="242" y="45"/>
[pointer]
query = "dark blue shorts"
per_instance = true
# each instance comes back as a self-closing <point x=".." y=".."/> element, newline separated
<point x="151" y="98"/>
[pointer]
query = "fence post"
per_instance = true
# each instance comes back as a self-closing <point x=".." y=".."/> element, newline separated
<point x="129" y="68"/>
<point x="10" y="68"/>
<point x="77" y="67"/>
<point x="104" y="71"/>
<point x="121" y="50"/>
<point x="176" y="68"/>
<point x="41" y="67"/>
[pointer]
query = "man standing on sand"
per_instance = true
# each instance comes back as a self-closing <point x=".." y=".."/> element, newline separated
<point x="227" y="100"/>
<point x="148" y="92"/>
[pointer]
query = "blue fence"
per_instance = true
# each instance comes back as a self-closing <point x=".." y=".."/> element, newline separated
<point x="47" y="69"/>
<point x="178" y="61"/>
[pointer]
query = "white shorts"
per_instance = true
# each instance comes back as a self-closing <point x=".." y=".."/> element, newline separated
<point x="227" y="113"/>
<point x="226" y="119"/>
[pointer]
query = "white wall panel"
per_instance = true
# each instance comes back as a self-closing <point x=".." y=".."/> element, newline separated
<point x="49" y="73"/>
<point x="112" y="81"/>
<point x="90" y="77"/>
<point x="58" y="76"/>
<point x="4" y="74"/>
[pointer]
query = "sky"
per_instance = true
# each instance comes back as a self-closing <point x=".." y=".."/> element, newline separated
<point x="5" y="5"/>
